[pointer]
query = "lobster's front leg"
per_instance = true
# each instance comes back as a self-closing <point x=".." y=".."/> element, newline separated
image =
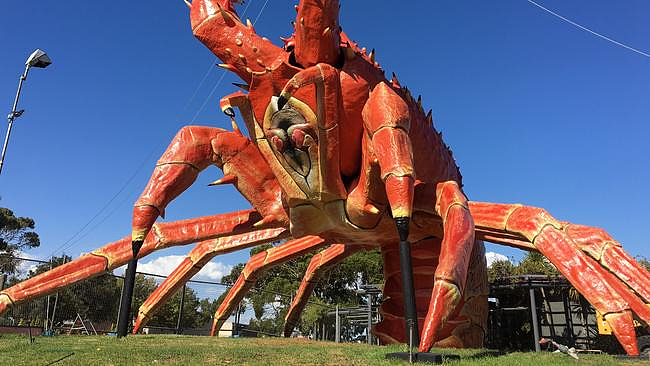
<point x="195" y="148"/>
<point x="387" y="122"/>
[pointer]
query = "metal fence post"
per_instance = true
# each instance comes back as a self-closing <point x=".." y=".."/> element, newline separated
<point x="337" y="336"/>
<point x="369" y="318"/>
<point x="47" y="308"/>
<point x="3" y="280"/>
<point x="119" y="307"/>
<point x="235" y="331"/>
<point x="533" y="314"/>
<point x="180" y="311"/>
<point x="568" y="317"/>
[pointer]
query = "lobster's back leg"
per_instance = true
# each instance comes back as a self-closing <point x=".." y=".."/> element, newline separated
<point x="194" y="262"/>
<point x="570" y="248"/>
<point x="258" y="264"/>
<point x="318" y="264"/>
<point x="116" y="254"/>
<point x="455" y="255"/>
<point x="466" y="327"/>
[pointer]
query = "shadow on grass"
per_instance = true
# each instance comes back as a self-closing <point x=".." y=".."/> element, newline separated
<point x="60" y="359"/>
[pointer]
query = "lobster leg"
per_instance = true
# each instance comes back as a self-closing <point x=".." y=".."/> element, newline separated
<point x="192" y="150"/>
<point x="258" y="264"/>
<point x="571" y="249"/>
<point x="318" y="264"/>
<point x="195" y="260"/>
<point x="387" y="123"/>
<point x="455" y="254"/>
<point x="116" y="254"/>
<point x="609" y="253"/>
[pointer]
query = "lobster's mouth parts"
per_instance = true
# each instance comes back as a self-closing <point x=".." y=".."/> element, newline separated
<point x="292" y="137"/>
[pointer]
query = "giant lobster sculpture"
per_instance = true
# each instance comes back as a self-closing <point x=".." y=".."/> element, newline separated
<point x="336" y="156"/>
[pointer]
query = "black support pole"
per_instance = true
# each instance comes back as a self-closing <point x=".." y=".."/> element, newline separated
<point x="406" y="267"/>
<point x="410" y="311"/>
<point x="124" y="316"/>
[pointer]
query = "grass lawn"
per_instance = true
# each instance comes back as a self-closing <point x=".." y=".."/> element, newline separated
<point x="186" y="350"/>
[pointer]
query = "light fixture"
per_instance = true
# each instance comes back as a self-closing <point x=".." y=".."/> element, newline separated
<point x="38" y="59"/>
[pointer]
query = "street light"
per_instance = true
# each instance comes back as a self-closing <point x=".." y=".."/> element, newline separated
<point x="37" y="59"/>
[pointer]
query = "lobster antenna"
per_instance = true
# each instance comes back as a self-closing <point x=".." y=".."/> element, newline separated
<point x="189" y="4"/>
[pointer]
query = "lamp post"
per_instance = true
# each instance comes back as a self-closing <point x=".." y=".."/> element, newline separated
<point x="38" y="59"/>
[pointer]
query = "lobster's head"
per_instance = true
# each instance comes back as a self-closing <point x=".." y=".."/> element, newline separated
<point x="286" y="131"/>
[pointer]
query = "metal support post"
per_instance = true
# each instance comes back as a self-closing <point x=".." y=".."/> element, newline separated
<point x="568" y="320"/>
<point x="337" y="337"/>
<point x="533" y="314"/>
<point x="47" y="308"/>
<point x="180" y="311"/>
<point x="124" y="317"/>
<point x="406" y="267"/>
<point x="235" y="327"/>
<point x="410" y="343"/>
<point x="369" y="318"/>
<point x="410" y="311"/>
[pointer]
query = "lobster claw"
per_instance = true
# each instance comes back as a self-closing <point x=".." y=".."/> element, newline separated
<point x="203" y="9"/>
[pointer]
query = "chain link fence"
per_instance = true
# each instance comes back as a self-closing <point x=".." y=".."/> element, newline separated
<point x="92" y="306"/>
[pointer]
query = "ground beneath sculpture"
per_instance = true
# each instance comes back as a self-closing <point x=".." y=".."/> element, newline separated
<point x="187" y="350"/>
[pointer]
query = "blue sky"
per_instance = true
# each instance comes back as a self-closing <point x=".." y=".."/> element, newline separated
<point x="536" y="110"/>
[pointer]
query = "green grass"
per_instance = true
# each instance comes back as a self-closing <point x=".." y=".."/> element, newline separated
<point x="186" y="350"/>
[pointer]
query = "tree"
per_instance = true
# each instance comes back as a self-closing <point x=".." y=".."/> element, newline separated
<point x="16" y="234"/>
<point x="532" y="263"/>
<point x="536" y="263"/>
<point x="500" y="269"/>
